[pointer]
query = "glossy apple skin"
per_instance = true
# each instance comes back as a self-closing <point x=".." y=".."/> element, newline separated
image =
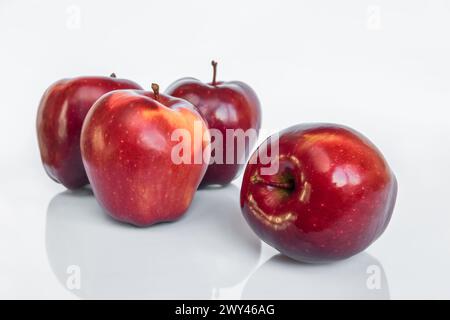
<point x="61" y="112"/>
<point x="126" y="147"/>
<point x="223" y="105"/>
<point x="332" y="196"/>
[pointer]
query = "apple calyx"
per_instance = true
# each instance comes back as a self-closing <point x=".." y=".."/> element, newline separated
<point x="214" y="65"/>
<point x="113" y="75"/>
<point x="155" y="88"/>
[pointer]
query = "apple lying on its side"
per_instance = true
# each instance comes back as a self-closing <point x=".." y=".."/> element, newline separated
<point x="229" y="105"/>
<point x="331" y="196"/>
<point x="130" y="154"/>
<point x="62" y="110"/>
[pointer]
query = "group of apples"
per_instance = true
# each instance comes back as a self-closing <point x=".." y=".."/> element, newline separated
<point x="331" y="196"/>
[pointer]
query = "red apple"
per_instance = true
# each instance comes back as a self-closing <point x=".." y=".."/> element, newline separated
<point x="127" y="146"/>
<point x="224" y="105"/>
<point x="62" y="110"/>
<point x="331" y="195"/>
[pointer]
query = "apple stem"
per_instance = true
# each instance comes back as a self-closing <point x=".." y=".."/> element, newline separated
<point x="214" y="65"/>
<point x="282" y="185"/>
<point x="113" y="75"/>
<point x="155" y="88"/>
<point x="257" y="179"/>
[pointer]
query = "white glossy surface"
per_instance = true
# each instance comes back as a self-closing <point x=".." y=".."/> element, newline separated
<point x="208" y="249"/>
<point x="381" y="67"/>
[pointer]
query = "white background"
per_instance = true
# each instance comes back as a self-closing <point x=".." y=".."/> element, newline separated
<point x="381" y="67"/>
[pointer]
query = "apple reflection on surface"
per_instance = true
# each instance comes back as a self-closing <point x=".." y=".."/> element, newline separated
<point x="359" y="277"/>
<point x="93" y="256"/>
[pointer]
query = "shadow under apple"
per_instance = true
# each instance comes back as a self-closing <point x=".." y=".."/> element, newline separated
<point x="359" y="277"/>
<point x="211" y="247"/>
